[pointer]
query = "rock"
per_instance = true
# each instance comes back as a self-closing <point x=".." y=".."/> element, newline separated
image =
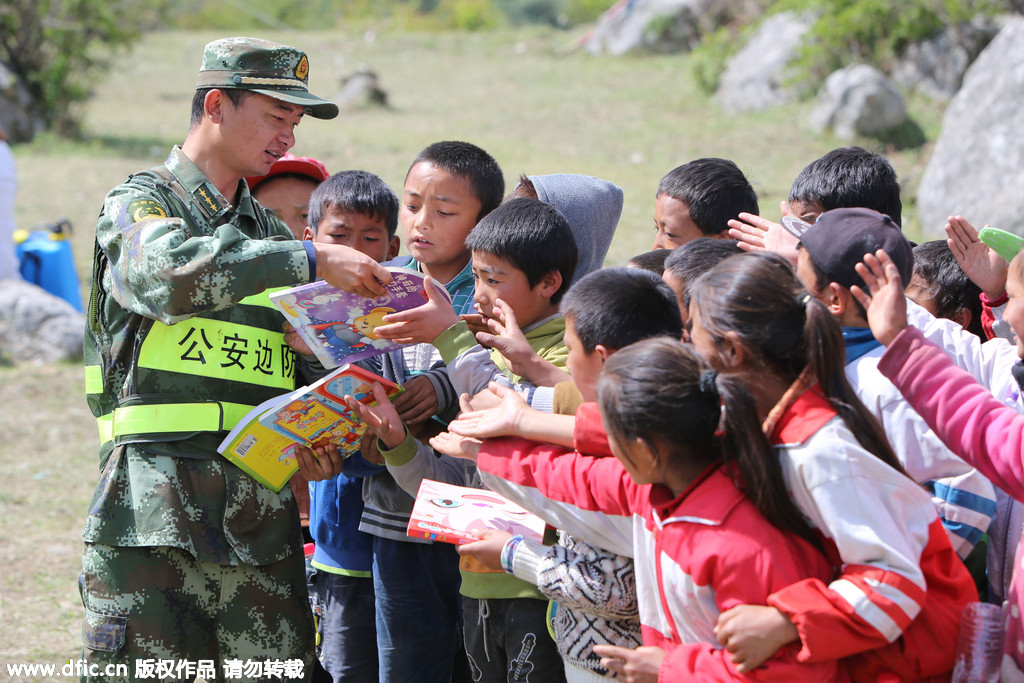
<point x="36" y="326"/>
<point x="936" y="66"/>
<point x="977" y="166"/>
<point x="858" y="100"/>
<point x="662" y="25"/>
<point x="755" y="78"/>
<point x="361" y="89"/>
<point x="16" y="118"/>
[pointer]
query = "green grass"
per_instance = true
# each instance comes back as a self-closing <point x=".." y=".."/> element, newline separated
<point x="629" y="120"/>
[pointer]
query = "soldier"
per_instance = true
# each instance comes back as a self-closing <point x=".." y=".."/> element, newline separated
<point x="190" y="563"/>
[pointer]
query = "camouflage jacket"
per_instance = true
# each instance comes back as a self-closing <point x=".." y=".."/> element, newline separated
<point x="166" y="265"/>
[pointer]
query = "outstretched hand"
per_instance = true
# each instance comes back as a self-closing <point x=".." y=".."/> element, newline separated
<point x="351" y="270"/>
<point x="886" y="305"/>
<point x="505" y="335"/>
<point x="633" y="666"/>
<point x="422" y="324"/>
<point x="500" y="420"/>
<point x="755" y="233"/>
<point x="456" y="445"/>
<point x="381" y="419"/>
<point x="980" y="263"/>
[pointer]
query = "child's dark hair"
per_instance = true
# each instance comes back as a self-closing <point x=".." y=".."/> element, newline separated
<point x="850" y="177"/>
<point x="758" y="297"/>
<point x="693" y="259"/>
<point x="615" y="307"/>
<point x="356" y="191"/>
<point x="466" y="160"/>
<point x="235" y="95"/>
<point x="662" y="392"/>
<point x="653" y="261"/>
<point x="714" y="190"/>
<point x="947" y="284"/>
<point x="531" y="235"/>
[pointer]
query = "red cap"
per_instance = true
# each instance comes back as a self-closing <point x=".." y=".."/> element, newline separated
<point x="289" y="163"/>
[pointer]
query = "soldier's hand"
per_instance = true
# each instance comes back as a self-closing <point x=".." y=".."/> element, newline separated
<point x="325" y="463"/>
<point x="351" y="270"/>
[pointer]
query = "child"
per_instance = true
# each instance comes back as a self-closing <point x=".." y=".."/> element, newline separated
<point x="699" y="199"/>
<point x="699" y="545"/>
<point x="523" y="253"/>
<point x="750" y="317"/>
<point x="356" y="209"/>
<point x="594" y="587"/>
<point x="286" y="189"/>
<point x="450" y="186"/>
<point x="829" y="249"/>
<point x="940" y="286"/>
<point x="687" y="263"/>
<point x="965" y="415"/>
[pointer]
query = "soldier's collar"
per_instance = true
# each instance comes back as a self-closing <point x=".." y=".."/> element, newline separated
<point x="210" y="201"/>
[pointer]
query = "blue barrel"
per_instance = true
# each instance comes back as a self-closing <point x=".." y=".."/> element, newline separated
<point x="44" y="258"/>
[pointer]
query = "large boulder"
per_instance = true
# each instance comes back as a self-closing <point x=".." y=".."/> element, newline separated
<point x="977" y="166"/>
<point x="858" y="100"/>
<point x="361" y="89"/>
<point x="661" y="25"/>
<point x="758" y="76"/>
<point x="936" y="66"/>
<point x="36" y="326"/>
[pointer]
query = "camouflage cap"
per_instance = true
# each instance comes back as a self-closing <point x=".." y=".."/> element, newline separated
<point x="272" y="69"/>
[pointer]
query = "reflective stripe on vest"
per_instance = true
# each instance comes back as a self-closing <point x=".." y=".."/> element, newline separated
<point x="167" y="418"/>
<point x="221" y="350"/>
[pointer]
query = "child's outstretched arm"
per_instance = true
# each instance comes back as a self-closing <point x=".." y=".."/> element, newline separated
<point x="755" y="233"/>
<point x="422" y="324"/>
<point x="513" y="417"/>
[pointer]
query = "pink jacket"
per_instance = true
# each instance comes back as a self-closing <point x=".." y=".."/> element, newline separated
<point x="973" y="424"/>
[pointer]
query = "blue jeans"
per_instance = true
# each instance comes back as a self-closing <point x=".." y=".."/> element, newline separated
<point x="419" y="610"/>
<point x="343" y="606"/>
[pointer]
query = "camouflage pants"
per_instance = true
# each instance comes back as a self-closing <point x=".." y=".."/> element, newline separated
<point x="161" y="612"/>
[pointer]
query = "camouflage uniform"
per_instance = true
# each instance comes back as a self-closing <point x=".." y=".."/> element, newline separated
<point x="187" y="557"/>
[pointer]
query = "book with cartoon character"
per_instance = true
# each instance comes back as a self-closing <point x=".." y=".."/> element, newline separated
<point x="445" y="512"/>
<point x="338" y="325"/>
<point x="263" y="442"/>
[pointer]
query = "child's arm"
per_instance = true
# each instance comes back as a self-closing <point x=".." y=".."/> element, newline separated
<point x="755" y="233"/>
<point x="513" y="417"/>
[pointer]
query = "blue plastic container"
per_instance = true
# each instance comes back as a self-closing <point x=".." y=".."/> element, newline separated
<point x="44" y="258"/>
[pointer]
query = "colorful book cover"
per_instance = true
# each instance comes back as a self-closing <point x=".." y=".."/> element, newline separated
<point x="339" y="326"/>
<point x="262" y="444"/>
<point x="318" y="416"/>
<point x="445" y="512"/>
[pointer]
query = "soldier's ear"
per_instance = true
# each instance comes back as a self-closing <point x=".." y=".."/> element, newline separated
<point x="213" y="106"/>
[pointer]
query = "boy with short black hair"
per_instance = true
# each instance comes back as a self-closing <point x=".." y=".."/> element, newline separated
<point x="699" y="199"/>
<point x="846" y="177"/>
<point x="687" y="263"/>
<point x="449" y="187"/>
<point x="940" y="286"/>
<point x="524" y="255"/>
<point x="356" y="209"/>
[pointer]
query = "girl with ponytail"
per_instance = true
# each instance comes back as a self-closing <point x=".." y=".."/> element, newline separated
<point x="687" y="447"/>
<point x="894" y="609"/>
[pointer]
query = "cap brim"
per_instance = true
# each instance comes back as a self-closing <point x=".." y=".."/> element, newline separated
<point x="795" y="226"/>
<point x="1004" y="243"/>
<point x="318" y="108"/>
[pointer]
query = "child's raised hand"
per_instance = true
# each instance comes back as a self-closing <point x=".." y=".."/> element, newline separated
<point x="488" y="549"/>
<point x="325" y="463"/>
<point x="296" y="341"/>
<point x="886" y="306"/>
<point x="980" y="263"/>
<point x="500" y="420"/>
<point x="455" y="445"/>
<point x="633" y="666"/>
<point x="753" y="634"/>
<point x="755" y="233"/>
<point x="420" y="325"/>
<point x="419" y="400"/>
<point x="381" y="419"/>
<point x="505" y="335"/>
<point x="476" y="322"/>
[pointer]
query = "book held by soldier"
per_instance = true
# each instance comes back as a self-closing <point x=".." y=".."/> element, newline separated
<point x="263" y="442"/>
<point x="339" y="326"/>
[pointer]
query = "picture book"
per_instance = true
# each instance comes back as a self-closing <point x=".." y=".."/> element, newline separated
<point x="339" y="326"/>
<point x="263" y="442"/>
<point x="445" y="512"/>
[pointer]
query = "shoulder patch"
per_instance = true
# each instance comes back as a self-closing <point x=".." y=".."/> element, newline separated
<point x="141" y="209"/>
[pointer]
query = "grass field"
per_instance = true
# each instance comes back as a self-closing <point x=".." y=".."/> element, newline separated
<point x="628" y="120"/>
